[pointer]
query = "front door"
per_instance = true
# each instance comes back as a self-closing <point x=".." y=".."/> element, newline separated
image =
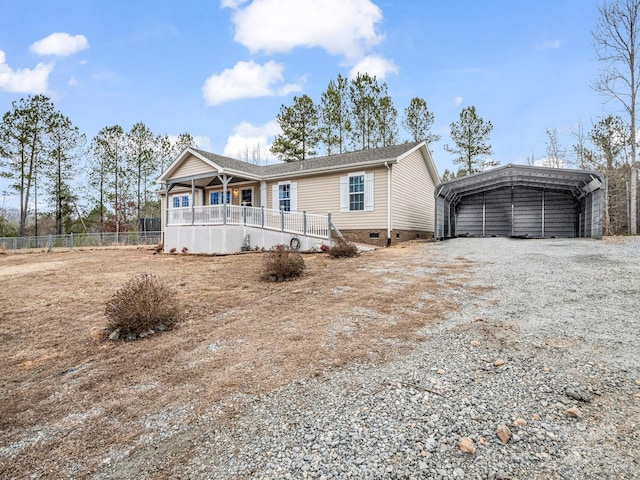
<point x="246" y="197"/>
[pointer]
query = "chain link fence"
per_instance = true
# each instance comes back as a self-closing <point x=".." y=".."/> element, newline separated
<point x="78" y="240"/>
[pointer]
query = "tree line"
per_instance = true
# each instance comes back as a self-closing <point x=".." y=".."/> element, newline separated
<point x="609" y="146"/>
<point x="360" y="115"/>
<point x="42" y="153"/>
<point x="351" y="115"/>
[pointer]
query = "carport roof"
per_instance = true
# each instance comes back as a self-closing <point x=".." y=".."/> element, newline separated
<point x="578" y="182"/>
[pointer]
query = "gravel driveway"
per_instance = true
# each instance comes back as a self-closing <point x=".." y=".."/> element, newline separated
<point x="549" y="357"/>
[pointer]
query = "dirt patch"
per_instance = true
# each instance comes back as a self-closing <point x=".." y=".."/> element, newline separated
<point x="68" y="403"/>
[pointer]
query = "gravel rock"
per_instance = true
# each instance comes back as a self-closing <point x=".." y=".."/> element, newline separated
<point x="467" y="446"/>
<point x="577" y="394"/>
<point x="503" y="433"/>
<point x="564" y="314"/>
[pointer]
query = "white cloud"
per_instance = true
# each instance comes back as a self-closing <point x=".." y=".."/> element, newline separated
<point x="232" y="3"/>
<point x="202" y="142"/>
<point x="60" y="44"/>
<point x="341" y="27"/>
<point x="246" y="80"/>
<point x="458" y="101"/>
<point x="374" y="66"/>
<point x="550" y="45"/>
<point x="24" y="80"/>
<point x="247" y="137"/>
<point x="73" y="82"/>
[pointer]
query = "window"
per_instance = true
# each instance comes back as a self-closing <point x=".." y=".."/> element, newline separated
<point x="284" y="197"/>
<point x="246" y="197"/>
<point x="181" y="201"/>
<point x="215" y="198"/>
<point x="356" y="192"/>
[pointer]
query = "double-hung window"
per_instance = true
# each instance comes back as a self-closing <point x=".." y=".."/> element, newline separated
<point x="284" y="197"/>
<point x="356" y="192"/>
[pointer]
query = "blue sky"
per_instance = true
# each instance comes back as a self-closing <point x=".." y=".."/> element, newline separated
<point x="220" y="70"/>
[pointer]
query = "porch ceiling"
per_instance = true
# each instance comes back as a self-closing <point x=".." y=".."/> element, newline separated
<point x="204" y="180"/>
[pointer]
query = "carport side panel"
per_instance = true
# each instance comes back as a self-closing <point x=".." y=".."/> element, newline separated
<point x="528" y="209"/>
<point x="560" y="215"/>
<point x="469" y="216"/>
<point x="498" y="213"/>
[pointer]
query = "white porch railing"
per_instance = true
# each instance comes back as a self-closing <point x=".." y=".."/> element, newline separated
<point x="291" y="222"/>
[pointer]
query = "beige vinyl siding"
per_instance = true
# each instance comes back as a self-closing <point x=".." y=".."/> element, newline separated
<point x="412" y="198"/>
<point x="320" y="194"/>
<point x="192" y="166"/>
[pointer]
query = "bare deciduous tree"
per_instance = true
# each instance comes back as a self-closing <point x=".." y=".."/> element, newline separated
<point x="617" y="43"/>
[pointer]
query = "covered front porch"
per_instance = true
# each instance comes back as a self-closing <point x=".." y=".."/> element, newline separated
<point x="232" y="228"/>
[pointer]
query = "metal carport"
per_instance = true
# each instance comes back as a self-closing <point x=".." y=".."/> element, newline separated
<point x="521" y="201"/>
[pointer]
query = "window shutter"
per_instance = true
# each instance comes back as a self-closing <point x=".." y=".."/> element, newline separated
<point x="275" y="202"/>
<point x="344" y="194"/>
<point x="368" y="192"/>
<point x="293" y="194"/>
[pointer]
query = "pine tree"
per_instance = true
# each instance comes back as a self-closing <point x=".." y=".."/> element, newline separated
<point x="335" y="116"/>
<point x="471" y="135"/>
<point x="142" y="162"/>
<point x="64" y="144"/>
<point x="364" y="93"/>
<point x="22" y="135"/>
<point x="300" y="131"/>
<point x="387" y="120"/>
<point x="417" y="120"/>
<point x="109" y="174"/>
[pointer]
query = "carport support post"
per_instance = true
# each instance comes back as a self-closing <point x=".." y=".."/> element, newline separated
<point x="542" y="213"/>
<point x="484" y="212"/>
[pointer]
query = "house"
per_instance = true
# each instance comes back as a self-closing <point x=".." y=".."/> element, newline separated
<point x="522" y="201"/>
<point x="216" y="204"/>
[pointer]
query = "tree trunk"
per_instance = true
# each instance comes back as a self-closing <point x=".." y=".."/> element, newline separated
<point x="633" y="202"/>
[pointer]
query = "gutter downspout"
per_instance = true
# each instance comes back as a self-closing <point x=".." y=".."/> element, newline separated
<point x="386" y="164"/>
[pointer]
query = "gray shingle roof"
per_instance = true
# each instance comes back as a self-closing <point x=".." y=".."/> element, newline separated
<point x="312" y="164"/>
<point x="231" y="163"/>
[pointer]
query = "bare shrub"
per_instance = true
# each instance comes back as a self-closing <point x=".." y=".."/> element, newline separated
<point x="3" y="249"/>
<point x="282" y="263"/>
<point x="144" y="303"/>
<point x="342" y="249"/>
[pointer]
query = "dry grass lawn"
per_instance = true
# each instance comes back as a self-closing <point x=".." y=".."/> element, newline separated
<point x="67" y="401"/>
